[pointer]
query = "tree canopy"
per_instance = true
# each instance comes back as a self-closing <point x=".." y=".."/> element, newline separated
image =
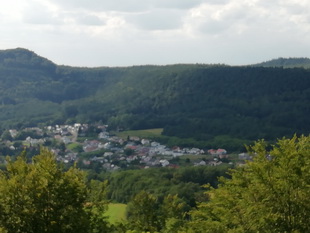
<point x="41" y="197"/>
<point x="269" y="194"/>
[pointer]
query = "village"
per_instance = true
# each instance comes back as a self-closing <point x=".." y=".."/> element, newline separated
<point x="89" y="145"/>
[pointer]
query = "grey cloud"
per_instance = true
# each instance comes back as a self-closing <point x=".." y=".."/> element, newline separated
<point x="104" y="5"/>
<point x="233" y="18"/>
<point x="128" y="5"/>
<point x="240" y="12"/>
<point x="88" y="19"/>
<point x="297" y="9"/>
<point x="157" y="19"/>
<point x="214" y="27"/>
<point x="39" y="14"/>
<point x="176" y="4"/>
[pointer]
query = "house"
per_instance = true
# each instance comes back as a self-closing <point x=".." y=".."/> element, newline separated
<point x="164" y="162"/>
<point x="86" y="162"/>
<point x="131" y="158"/>
<point x="13" y="133"/>
<point x="33" y="141"/>
<point x="221" y="151"/>
<point x="107" y="145"/>
<point x="107" y="154"/>
<point x="134" y="138"/>
<point x="71" y="156"/>
<point x="57" y="137"/>
<point x="98" y="159"/>
<point x="215" y="163"/>
<point x="244" y="156"/>
<point x="218" y="152"/>
<point x="201" y="163"/>
<point x="103" y="135"/>
<point x="132" y="147"/>
<point x="223" y="156"/>
<point x="145" y="142"/>
<point x="91" y="145"/>
<point x="195" y="151"/>
<point x="154" y="144"/>
<point x="66" y="140"/>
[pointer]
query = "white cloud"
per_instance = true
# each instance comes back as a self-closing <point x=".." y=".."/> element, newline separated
<point x="159" y="19"/>
<point x="38" y="13"/>
<point x="90" y="19"/>
<point x="127" y="5"/>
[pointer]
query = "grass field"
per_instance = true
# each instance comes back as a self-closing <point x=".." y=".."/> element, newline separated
<point x="145" y="133"/>
<point x="72" y="146"/>
<point x="116" y="212"/>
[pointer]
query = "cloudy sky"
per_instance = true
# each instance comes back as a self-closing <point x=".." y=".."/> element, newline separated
<point x="133" y="32"/>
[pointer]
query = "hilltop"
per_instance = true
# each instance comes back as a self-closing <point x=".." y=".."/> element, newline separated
<point x="287" y="63"/>
<point x="209" y="105"/>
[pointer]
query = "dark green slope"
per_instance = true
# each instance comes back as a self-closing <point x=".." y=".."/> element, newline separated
<point x="213" y="103"/>
<point x="287" y="63"/>
<point x="203" y="101"/>
<point x="32" y="88"/>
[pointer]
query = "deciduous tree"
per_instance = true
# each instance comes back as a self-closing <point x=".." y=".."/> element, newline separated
<point x="269" y="194"/>
<point x="41" y="197"/>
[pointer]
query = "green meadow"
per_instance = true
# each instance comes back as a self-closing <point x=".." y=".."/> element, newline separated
<point x="146" y="133"/>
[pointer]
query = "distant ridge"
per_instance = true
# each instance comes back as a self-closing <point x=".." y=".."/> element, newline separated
<point x="208" y="105"/>
<point x="21" y="57"/>
<point x="302" y="62"/>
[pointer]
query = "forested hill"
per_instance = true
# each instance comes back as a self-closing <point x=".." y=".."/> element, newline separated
<point x="212" y="104"/>
<point x="286" y="63"/>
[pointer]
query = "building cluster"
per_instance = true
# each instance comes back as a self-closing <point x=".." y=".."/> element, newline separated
<point x="93" y="144"/>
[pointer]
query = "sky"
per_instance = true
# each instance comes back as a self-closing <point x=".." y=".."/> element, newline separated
<point x="96" y="33"/>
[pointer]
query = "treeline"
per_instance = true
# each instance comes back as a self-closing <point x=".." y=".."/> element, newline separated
<point x="205" y="105"/>
<point x="287" y="63"/>
<point x="186" y="182"/>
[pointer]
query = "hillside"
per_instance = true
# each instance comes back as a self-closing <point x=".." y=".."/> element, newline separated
<point x="286" y="63"/>
<point x="214" y="105"/>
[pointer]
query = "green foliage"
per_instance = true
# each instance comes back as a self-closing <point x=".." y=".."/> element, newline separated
<point x="184" y="182"/>
<point x="145" y="133"/>
<point x="116" y="212"/>
<point x="174" y="212"/>
<point x="286" y="63"/>
<point x="40" y="197"/>
<point x="143" y="214"/>
<point x="96" y="207"/>
<point x="6" y="136"/>
<point x="267" y="195"/>
<point x="24" y="134"/>
<point x="148" y="214"/>
<point x="76" y="147"/>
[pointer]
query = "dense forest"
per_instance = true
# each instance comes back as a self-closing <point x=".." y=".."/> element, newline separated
<point x="209" y="105"/>
<point x="287" y="63"/>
